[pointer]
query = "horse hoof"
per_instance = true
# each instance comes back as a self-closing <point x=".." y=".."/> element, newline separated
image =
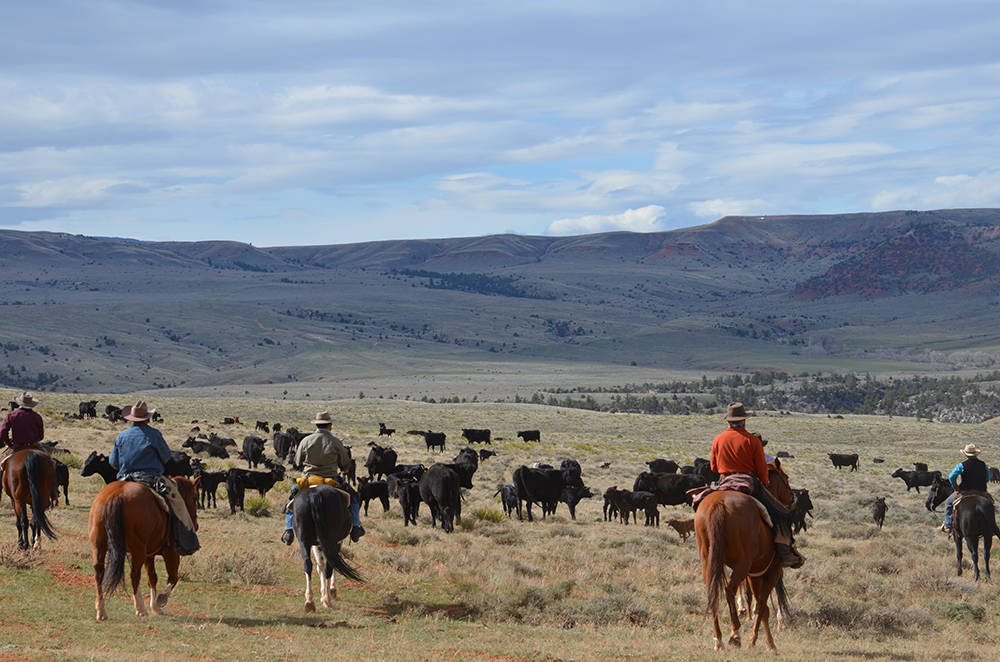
<point x="735" y="642"/>
<point x="161" y="600"/>
<point x="310" y="607"/>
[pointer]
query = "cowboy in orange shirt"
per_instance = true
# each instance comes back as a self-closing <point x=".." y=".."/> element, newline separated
<point x="737" y="451"/>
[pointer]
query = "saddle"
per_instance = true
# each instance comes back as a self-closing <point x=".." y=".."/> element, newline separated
<point x="309" y="481"/>
<point x="967" y="493"/>
<point x="733" y="483"/>
<point x="180" y="526"/>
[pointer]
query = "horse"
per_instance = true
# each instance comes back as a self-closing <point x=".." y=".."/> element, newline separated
<point x="321" y="519"/>
<point x="127" y="518"/>
<point x="730" y="532"/>
<point x="29" y="478"/>
<point x="974" y="518"/>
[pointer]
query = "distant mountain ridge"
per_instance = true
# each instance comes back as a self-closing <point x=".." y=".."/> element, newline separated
<point x="742" y="293"/>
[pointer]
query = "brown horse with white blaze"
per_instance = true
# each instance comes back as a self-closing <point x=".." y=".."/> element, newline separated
<point x="127" y="518"/>
<point x="731" y="532"/>
<point x="29" y="478"/>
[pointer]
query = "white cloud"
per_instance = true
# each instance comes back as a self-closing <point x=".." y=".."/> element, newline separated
<point x="715" y="209"/>
<point x="645" y="219"/>
<point x="981" y="190"/>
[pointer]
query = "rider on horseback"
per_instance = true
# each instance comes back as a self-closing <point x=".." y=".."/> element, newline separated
<point x="739" y="452"/>
<point x="139" y="454"/>
<point x="975" y="476"/>
<point x="323" y="455"/>
<point x="22" y="428"/>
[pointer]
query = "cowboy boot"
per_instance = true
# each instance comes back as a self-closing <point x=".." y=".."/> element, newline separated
<point x="788" y="557"/>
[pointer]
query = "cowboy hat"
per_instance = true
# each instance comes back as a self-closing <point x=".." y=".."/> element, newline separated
<point x="971" y="450"/>
<point x="138" y="412"/>
<point x="736" y="412"/>
<point x="322" y="418"/>
<point x="27" y="401"/>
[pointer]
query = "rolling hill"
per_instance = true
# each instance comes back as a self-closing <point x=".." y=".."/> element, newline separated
<point x="881" y="292"/>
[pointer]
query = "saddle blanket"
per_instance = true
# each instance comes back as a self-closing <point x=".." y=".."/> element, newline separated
<point x="734" y="483"/>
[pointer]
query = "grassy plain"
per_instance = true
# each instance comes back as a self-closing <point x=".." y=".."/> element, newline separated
<point x="497" y="589"/>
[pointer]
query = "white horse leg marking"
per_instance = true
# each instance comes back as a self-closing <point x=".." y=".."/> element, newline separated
<point x="140" y="603"/>
<point x="102" y="613"/>
<point x="310" y="605"/>
<point x="154" y="603"/>
<point x="324" y="582"/>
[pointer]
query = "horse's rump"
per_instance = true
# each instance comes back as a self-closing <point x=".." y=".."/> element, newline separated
<point x="322" y="518"/>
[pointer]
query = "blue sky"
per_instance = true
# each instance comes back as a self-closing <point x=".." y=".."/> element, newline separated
<point x="305" y="122"/>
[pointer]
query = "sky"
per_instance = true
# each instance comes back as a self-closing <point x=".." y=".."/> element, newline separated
<point x="321" y="122"/>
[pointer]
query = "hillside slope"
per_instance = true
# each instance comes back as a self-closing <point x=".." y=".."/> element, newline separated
<point x="790" y="293"/>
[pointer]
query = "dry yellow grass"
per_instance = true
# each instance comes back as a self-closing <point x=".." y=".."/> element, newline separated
<point x="509" y="590"/>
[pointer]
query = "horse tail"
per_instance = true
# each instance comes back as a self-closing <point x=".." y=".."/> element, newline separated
<point x="779" y="591"/>
<point x="114" y="526"/>
<point x="715" y="578"/>
<point x="33" y="469"/>
<point x="322" y="504"/>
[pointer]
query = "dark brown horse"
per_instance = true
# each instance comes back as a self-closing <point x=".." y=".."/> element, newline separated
<point x="127" y="518"/>
<point x="29" y="479"/>
<point x="975" y="518"/>
<point x="321" y="519"/>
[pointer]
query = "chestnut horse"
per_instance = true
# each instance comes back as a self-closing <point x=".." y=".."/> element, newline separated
<point x="321" y="519"/>
<point x="126" y="518"/>
<point x="29" y="479"/>
<point x="730" y="531"/>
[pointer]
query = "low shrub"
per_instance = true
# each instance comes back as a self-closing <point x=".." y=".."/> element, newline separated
<point x="257" y="506"/>
<point x="240" y="569"/>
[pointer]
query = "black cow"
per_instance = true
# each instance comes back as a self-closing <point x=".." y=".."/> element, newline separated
<point x="88" y="409"/>
<point x="113" y="413"/>
<point x="920" y="466"/>
<point x="373" y="489"/>
<point x="629" y="502"/>
<point x="253" y="450"/>
<point x="485" y="453"/>
<point x="670" y="489"/>
<point x="282" y="443"/>
<point x="703" y="468"/>
<point x="434" y="439"/>
<point x="276" y="427"/>
<point x="660" y="466"/>
<point x="414" y="471"/>
<point x="383" y="431"/>
<point x="530" y="435"/>
<point x="235" y="490"/>
<point x="475" y="435"/>
<point x="221" y="441"/>
<point x="844" y="460"/>
<point x="97" y="463"/>
<point x="610" y="508"/>
<point x="878" y="511"/>
<point x="263" y="427"/>
<point x="62" y="480"/>
<point x="994" y="475"/>
<point x="548" y="486"/>
<point x="262" y="481"/>
<point x="407" y="490"/>
<point x="179" y="464"/>
<point x="509" y="500"/>
<point x="440" y="488"/>
<point x="917" y="479"/>
<point x="465" y="465"/>
<point x="381" y="461"/>
<point x="939" y="491"/>
<point x="208" y="485"/>
<point x="213" y="450"/>
<point x="802" y="505"/>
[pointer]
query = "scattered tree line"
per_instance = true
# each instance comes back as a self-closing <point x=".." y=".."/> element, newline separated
<point x="951" y="399"/>
<point x="504" y="286"/>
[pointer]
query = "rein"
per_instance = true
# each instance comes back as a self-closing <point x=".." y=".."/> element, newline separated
<point x="766" y="568"/>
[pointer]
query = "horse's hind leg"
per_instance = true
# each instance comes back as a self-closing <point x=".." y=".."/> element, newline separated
<point x="152" y="579"/>
<point x="972" y="543"/>
<point x="307" y="565"/>
<point x="136" y="576"/>
<point x="100" y="552"/>
<point x="324" y="569"/>
<point x="987" y="547"/>
<point x="958" y="554"/>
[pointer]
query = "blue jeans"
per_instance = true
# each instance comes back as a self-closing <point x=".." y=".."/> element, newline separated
<point x="355" y="508"/>
<point x="949" y="510"/>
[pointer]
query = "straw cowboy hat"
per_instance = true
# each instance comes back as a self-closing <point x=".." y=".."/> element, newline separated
<point x="138" y="412"/>
<point x="323" y="418"/>
<point x="736" y="412"/>
<point x="971" y="450"/>
<point x="27" y="401"/>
